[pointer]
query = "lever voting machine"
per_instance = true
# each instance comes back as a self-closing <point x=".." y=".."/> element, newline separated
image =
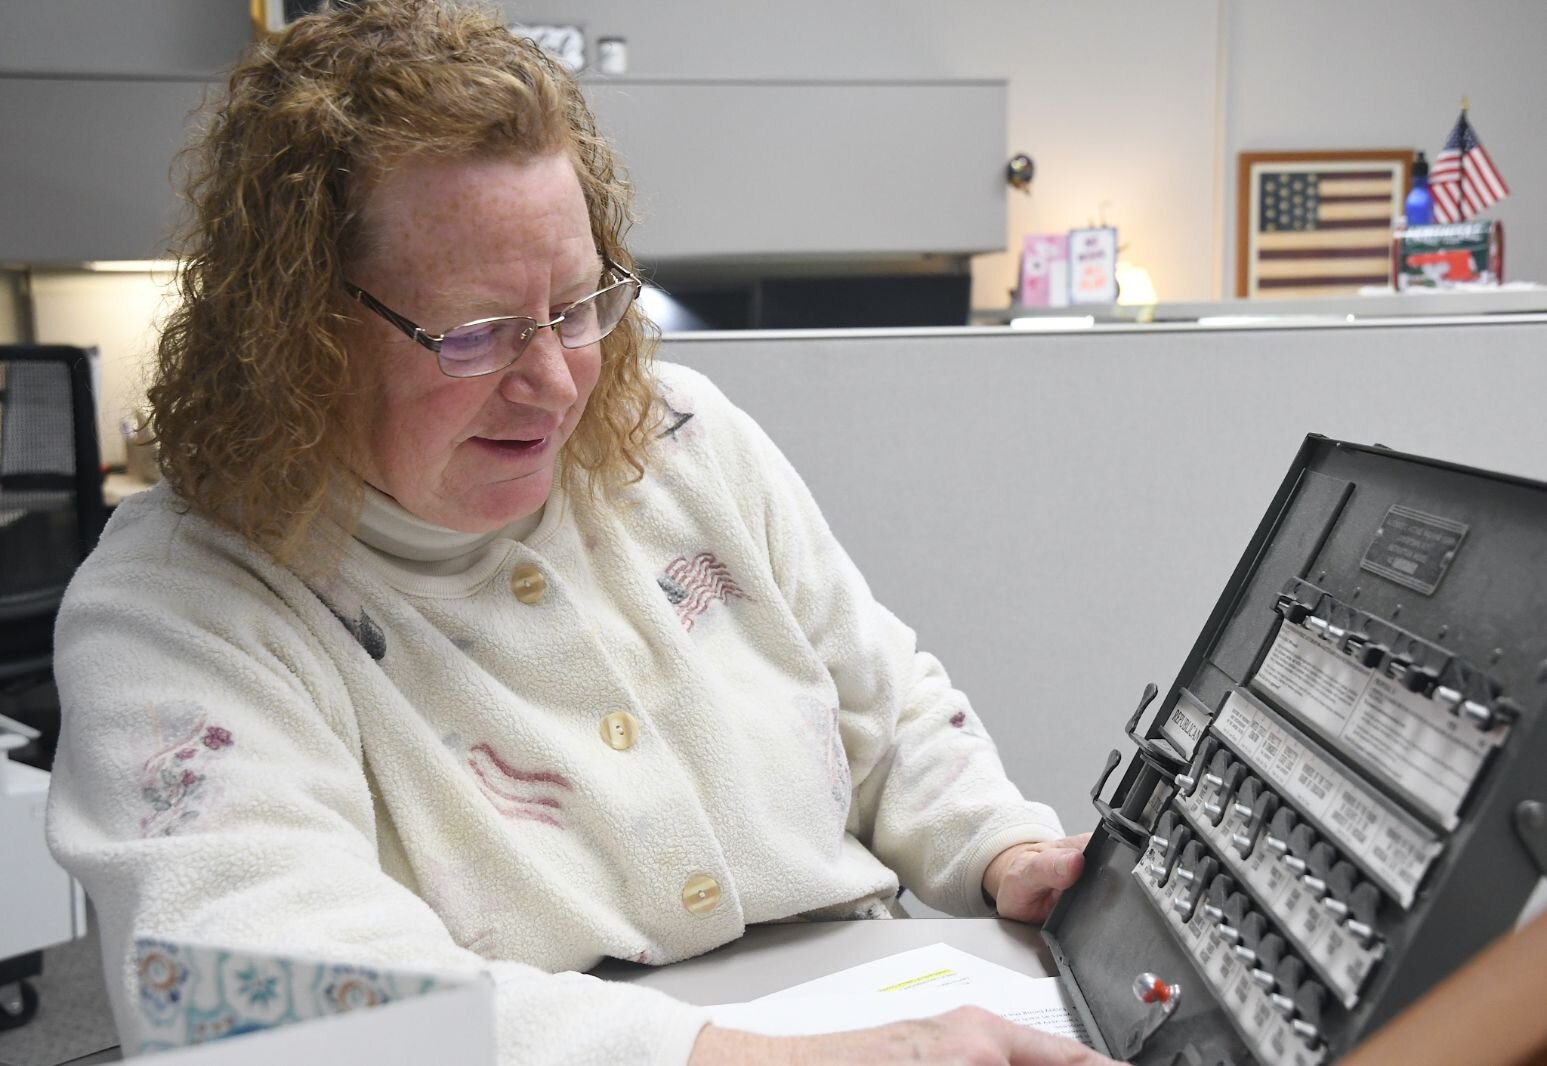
<point x="1343" y="796"/>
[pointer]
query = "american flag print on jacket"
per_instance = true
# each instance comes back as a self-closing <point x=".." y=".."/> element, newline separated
<point x="516" y="793"/>
<point x="693" y="585"/>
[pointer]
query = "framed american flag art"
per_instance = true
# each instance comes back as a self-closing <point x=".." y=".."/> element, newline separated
<point x="1317" y="223"/>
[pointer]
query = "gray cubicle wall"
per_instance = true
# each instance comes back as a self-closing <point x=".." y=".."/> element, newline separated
<point x="1055" y="514"/>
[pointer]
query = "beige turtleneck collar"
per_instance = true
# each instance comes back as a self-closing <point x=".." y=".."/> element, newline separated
<point x="407" y="541"/>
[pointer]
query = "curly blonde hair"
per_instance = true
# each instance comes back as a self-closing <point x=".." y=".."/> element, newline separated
<point x="250" y="400"/>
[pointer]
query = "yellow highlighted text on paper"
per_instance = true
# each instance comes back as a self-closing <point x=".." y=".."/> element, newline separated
<point x="922" y="979"/>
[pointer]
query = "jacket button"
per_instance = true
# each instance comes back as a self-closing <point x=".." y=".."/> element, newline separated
<point x="701" y="894"/>
<point x="528" y="583"/>
<point x="619" y="730"/>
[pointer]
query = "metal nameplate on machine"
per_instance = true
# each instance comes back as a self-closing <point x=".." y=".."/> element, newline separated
<point x="1341" y="798"/>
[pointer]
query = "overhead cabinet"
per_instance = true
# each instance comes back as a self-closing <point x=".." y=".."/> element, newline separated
<point x="723" y="169"/>
<point x="810" y="169"/>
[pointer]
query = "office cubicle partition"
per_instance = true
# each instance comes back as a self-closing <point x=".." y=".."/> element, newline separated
<point x="1055" y="514"/>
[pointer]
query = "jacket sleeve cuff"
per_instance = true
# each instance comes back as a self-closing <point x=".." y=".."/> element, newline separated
<point x="1039" y="824"/>
<point x="678" y="1033"/>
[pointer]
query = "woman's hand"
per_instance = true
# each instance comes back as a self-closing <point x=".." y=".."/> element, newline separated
<point x="1024" y="881"/>
<point x="967" y="1036"/>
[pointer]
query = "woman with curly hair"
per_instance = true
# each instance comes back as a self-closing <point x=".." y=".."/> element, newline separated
<point x="459" y="635"/>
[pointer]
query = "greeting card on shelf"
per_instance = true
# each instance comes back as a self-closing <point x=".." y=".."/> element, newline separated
<point x="1044" y="270"/>
<point x="1093" y="265"/>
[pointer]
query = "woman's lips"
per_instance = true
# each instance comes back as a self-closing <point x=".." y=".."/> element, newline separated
<point x="512" y="448"/>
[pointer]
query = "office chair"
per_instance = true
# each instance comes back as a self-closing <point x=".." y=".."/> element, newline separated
<point x="51" y="513"/>
<point x="51" y="508"/>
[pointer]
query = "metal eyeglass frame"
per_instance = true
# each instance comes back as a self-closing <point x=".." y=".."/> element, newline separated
<point x="419" y="335"/>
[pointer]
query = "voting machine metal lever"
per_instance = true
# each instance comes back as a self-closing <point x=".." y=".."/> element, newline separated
<point x="1131" y="832"/>
<point x="1164" y="758"/>
<point x="1158" y="1000"/>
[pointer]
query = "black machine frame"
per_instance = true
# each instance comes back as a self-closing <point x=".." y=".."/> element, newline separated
<point x="1460" y="625"/>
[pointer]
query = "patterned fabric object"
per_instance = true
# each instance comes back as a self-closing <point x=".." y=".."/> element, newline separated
<point x="192" y="994"/>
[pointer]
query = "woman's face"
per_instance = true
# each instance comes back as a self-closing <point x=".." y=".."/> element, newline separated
<point x="451" y="241"/>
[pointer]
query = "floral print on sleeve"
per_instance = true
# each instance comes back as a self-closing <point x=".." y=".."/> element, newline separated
<point x="175" y="784"/>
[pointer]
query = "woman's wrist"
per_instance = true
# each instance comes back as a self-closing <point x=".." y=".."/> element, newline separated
<point x="733" y="1047"/>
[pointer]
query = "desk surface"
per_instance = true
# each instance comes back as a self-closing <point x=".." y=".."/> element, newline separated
<point x="773" y="957"/>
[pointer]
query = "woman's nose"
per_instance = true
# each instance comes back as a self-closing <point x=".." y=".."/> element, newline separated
<point x="541" y="377"/>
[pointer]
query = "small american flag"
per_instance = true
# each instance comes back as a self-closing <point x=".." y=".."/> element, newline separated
<point x="1463" y="180"/>
<point x="1323" y="229"/>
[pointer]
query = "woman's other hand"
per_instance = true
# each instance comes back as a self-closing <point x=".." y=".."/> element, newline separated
<point x="967" y="1036"/>
<point x="1024" y="881"/>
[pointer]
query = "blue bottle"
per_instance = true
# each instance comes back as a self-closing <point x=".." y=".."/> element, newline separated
<point x="1420" y="203"/>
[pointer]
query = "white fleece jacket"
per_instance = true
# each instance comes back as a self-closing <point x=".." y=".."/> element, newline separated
<point x="394" y="767"/>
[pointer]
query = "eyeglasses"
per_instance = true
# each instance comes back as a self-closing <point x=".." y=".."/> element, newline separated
<point x="490" y="344"/>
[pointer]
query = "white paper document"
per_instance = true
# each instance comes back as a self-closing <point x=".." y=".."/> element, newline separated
<point x="913" y="984"/>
